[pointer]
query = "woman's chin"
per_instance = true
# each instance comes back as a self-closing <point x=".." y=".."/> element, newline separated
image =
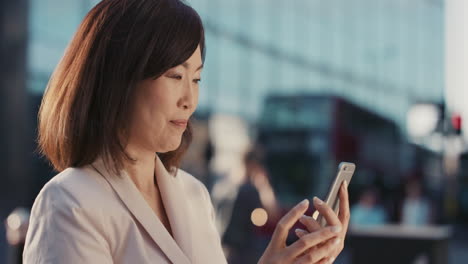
<point x="169" y="147"/>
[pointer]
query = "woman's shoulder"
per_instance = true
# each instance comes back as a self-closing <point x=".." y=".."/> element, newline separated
<point x="191" y="184"/>
<point x="75" y="188"/>
<point x="69" y="217"/>
<point x="196" y="192"/>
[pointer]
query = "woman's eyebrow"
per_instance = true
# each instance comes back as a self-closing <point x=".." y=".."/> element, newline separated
<point x="186" y="65"/>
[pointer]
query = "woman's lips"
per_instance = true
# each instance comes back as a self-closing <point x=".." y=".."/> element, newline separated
<point x="179" y="123"/>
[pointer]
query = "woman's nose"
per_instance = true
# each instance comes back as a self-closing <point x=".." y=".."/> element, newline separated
<point x="188" y="100"/>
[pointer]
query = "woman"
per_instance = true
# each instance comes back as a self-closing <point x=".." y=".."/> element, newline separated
<point x="115" y="121"/>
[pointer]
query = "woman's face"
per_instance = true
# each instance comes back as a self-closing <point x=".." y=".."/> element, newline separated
<point x="164" y="105"/>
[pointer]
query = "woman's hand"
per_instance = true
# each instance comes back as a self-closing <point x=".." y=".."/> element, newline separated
<point x="278" y="253"/>
<point x="332" y="219"/>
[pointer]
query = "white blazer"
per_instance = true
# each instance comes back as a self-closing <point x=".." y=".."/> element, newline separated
<point x="89" y="215"/>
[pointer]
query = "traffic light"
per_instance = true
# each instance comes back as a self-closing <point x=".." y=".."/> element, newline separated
<point x="456" y="121"/>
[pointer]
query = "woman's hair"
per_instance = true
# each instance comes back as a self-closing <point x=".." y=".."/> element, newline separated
<point x="85" y="111"/>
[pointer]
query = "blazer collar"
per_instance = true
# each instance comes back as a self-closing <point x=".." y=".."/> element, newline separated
<point x="175" y="202"/>
<point x="172" y="193"/>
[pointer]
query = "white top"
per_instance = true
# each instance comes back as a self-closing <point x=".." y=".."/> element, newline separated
<point x="89" y="215"/>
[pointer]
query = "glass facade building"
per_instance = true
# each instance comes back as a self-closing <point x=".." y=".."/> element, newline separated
<point x="381" y="54"/>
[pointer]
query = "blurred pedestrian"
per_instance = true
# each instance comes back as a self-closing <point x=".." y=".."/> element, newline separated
<point x="255" y="199"/>
<point x="368" y="210"/>
<point x="416" y="209"/>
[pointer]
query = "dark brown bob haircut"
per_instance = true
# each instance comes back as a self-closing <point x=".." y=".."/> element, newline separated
<point x="86" y="108"/>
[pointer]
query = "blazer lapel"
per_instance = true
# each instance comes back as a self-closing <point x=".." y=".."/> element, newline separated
<point x="137" y="205"/>
<point x="175" y="202"/>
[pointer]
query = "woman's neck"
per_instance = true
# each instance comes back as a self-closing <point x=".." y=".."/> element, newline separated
<point x="142" y="170"/>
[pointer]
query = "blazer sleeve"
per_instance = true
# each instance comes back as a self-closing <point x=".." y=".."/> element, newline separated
<point x="63" y="231"/>
<point x="208" y="203"/>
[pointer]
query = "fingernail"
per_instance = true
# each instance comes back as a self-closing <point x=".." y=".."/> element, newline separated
<point x="300" y="232"/>
<point x="345" y="184"/>
<point x="318" y="201"/>
<point x="336" y="229"/>
<point x="304" y="219"/>
<point x="336" y="241"/>
<point x="304" y="202"/>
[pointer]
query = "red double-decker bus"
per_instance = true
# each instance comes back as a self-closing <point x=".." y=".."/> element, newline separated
<point x="306" y="136"/>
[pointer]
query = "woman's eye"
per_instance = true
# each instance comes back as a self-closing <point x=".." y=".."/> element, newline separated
<point x="176" y="76"/>
<point x="196" y="80"/>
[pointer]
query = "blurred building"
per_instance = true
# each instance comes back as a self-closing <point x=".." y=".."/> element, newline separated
<point x="383" y="55"/>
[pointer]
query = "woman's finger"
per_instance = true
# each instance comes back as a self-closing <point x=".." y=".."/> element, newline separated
<point x="327" y="212"/>
<point x="300" y="232"/>
<point x="322" y="261"/>
<point x="311" y="224"/>
<point x="322" y="253"/>
<point x="311" y="240"/>
<point x="344" y="205"/>
<point x="326" y="261"/>
<point x="286" y="222"/>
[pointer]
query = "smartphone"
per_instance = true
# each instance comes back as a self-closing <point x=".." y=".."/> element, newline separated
<point x="345" y="172"/>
